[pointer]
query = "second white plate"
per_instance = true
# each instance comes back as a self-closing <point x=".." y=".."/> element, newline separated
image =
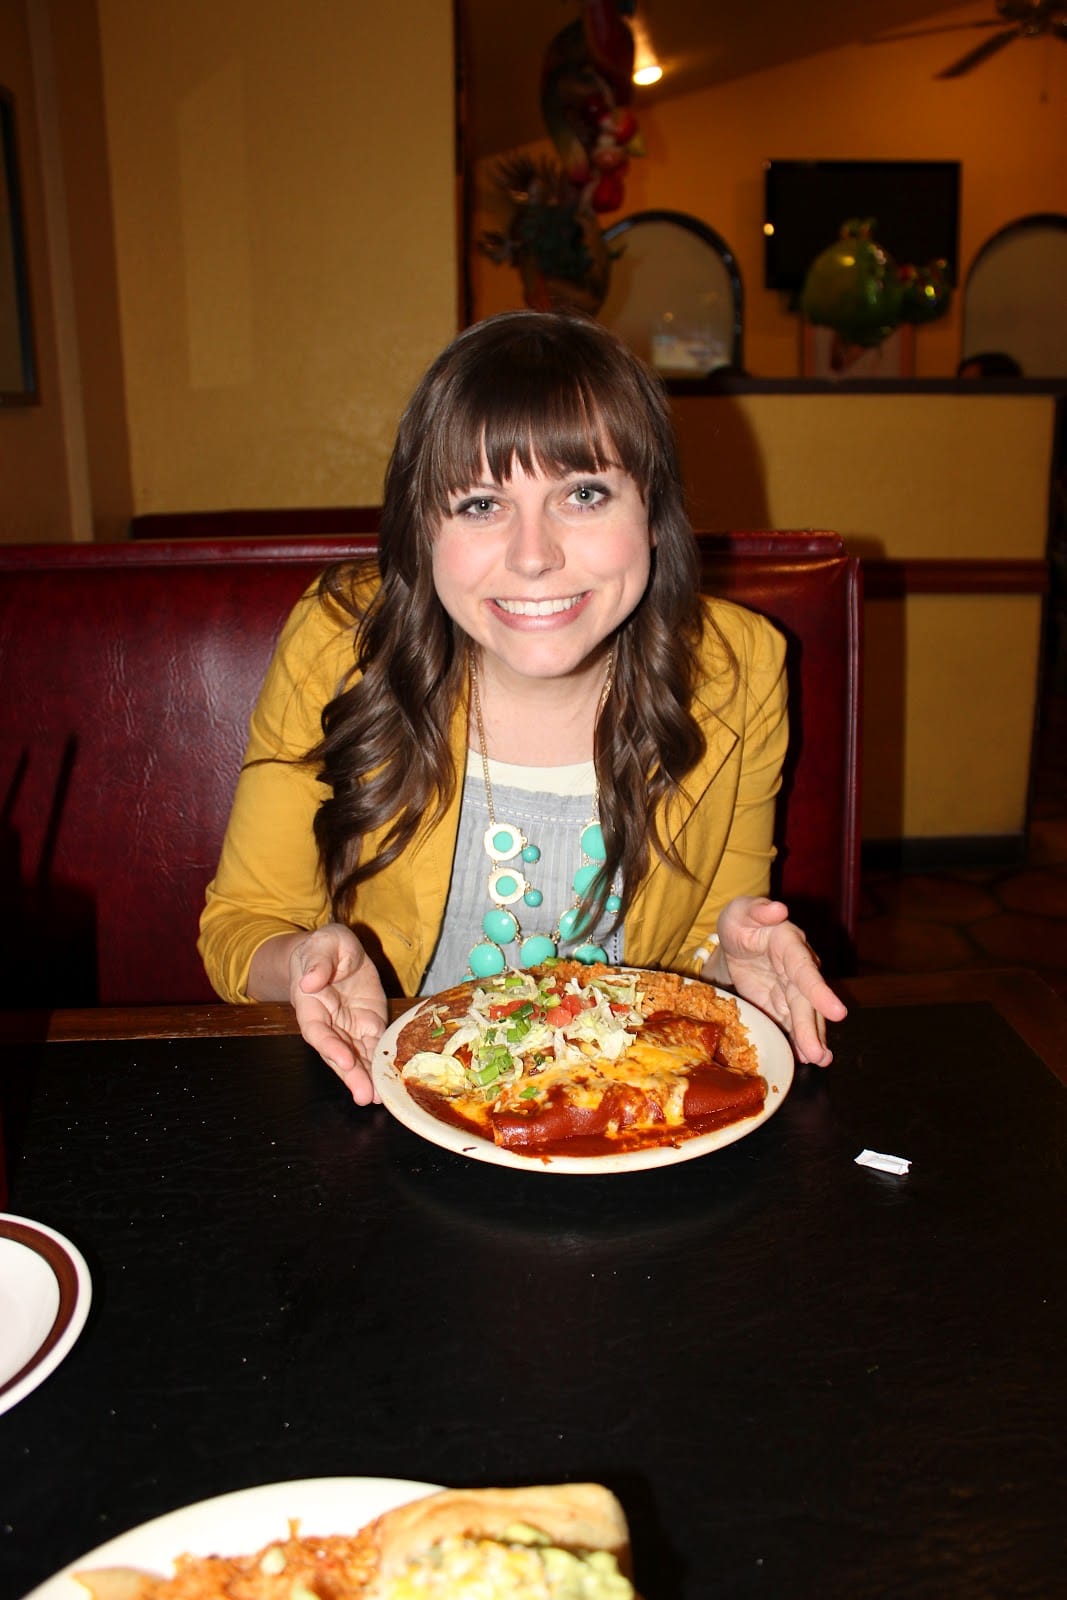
<point x="45" y="1291"/>
<point x="240" y="1524"/>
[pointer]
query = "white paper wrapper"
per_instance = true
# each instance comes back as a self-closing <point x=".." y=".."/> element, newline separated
<point x="872" y="1158"/>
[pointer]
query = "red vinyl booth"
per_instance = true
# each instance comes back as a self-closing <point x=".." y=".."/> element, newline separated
<point x="128" y="672"/>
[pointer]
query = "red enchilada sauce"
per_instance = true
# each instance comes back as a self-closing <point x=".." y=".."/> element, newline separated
<point x="628" y="1117"/>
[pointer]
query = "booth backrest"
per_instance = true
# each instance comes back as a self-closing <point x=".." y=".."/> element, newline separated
<point x="286" y="523"/>
<point x="127" y="674"/>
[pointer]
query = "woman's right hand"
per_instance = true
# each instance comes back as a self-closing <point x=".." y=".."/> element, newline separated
<point x="339" y="1003"/>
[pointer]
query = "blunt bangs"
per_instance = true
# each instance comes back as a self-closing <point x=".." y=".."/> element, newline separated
<point x="547" y="394"/>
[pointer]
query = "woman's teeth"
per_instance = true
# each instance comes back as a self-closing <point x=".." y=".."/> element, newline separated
<point x="537" y="608"/>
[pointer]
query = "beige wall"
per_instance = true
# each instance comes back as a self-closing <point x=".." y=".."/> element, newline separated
<point x="253" y="204"/>
<point x="1005" y="122"/>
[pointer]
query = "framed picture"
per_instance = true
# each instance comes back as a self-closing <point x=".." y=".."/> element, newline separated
<point x="18" y="371"/>
<point x="824" y="354"/>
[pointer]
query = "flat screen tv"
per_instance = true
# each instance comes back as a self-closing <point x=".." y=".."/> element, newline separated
<point x="915" y="204"/>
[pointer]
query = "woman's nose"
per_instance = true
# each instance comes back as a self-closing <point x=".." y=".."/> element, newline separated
<point x="534" y="545"/>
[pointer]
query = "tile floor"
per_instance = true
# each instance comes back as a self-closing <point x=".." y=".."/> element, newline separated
<point x="933" y="921"/>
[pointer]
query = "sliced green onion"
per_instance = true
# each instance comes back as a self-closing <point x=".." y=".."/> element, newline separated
<point x="489" y="1064"/>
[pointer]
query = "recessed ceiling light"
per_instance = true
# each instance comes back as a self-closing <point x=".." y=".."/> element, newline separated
<point x="651" y="73"/>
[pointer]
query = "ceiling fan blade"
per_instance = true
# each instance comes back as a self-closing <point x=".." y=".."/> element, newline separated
<point x="974" y="58"/>
<point x="924" y="33"/>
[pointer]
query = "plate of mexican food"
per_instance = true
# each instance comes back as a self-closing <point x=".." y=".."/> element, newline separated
<point x="568" y="1068"/>
<point x="366" y="1539"/>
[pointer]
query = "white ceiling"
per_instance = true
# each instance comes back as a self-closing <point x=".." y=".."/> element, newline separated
<point x="698" y="43"/>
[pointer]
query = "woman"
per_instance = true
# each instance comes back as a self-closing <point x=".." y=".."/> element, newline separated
<point x="529" y="735"/>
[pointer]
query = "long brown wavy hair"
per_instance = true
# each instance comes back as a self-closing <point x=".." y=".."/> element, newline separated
<point x="552" y="393"/>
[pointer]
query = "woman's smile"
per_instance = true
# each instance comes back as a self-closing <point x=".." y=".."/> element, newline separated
<point x="540" y="610"/>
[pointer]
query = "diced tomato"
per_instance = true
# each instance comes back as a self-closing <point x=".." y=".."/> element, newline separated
<point x="566" y="1009"/>
<point x="505" y="1009"/>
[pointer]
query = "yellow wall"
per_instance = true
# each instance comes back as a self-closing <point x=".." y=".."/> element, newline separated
<point x="949" y="702"/>
<point x="285" y="234"/>
<point x="1005" y="121"/>
<point x="242" y="219"/>
<point x="949" y="681"/>
<point x="949" y="475"/>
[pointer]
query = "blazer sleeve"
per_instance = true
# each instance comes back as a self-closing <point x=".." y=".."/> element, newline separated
<point x="268" y="880"/>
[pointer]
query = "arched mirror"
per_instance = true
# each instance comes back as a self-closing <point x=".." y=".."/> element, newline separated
<point x="1015" y="301"/>
<point x="675" y="294"/>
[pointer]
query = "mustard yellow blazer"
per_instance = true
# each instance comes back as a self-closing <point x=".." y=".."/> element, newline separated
<point x="269" y="881"/>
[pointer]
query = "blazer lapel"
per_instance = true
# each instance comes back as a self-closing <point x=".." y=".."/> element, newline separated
<point x="683" y="809"/>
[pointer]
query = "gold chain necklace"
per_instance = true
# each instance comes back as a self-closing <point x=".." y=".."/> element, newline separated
<point x="509" y="851"/>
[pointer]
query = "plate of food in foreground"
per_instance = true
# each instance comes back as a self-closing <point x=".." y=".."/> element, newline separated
<point x="248" y="1520"/>
<point x="568" y="1068"/>
<point x="366" y="1539"/>
<point x="45" y="1293"/>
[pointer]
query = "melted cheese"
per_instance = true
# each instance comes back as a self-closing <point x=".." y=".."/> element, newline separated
<point x="662" y="1071"/>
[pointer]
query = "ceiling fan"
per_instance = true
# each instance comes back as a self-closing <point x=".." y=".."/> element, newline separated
<point x="1025" y="19"/>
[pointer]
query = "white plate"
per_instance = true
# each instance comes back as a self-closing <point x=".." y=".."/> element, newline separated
<point x="240" y="1524"/>
<point x="775" y="1063"/>
<point x="45" y="1291"/>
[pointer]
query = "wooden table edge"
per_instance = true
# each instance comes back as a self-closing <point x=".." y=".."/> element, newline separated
<point x="1022" y="997"/>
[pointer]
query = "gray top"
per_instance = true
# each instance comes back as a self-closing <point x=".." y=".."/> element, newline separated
<point x="551" y="821"/>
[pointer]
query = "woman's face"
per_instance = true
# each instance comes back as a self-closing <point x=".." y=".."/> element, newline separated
<point x="541" y="570"/>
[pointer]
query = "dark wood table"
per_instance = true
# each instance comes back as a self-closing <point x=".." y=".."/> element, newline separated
<point x="801" y="1376"/>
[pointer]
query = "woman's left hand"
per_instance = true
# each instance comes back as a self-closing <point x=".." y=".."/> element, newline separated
<point x="767" y="959"/>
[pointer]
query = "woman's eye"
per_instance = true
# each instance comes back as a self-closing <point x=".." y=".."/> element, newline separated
<point x="588" y="494"/>
<point x="475" y="506"/>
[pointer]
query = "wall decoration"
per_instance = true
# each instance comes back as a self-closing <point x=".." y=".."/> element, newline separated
<point x="550" y="206"/>
<point x="854" y="288"/>
<point x="18" y="376"/>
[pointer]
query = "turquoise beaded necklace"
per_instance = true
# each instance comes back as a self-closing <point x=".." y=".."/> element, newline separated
<point x="510" y="852"/>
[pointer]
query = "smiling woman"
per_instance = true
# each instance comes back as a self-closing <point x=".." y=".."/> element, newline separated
<point x="526" y="712"/>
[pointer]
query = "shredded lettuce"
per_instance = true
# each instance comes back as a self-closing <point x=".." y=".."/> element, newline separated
<point x="500" y="1047"/>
